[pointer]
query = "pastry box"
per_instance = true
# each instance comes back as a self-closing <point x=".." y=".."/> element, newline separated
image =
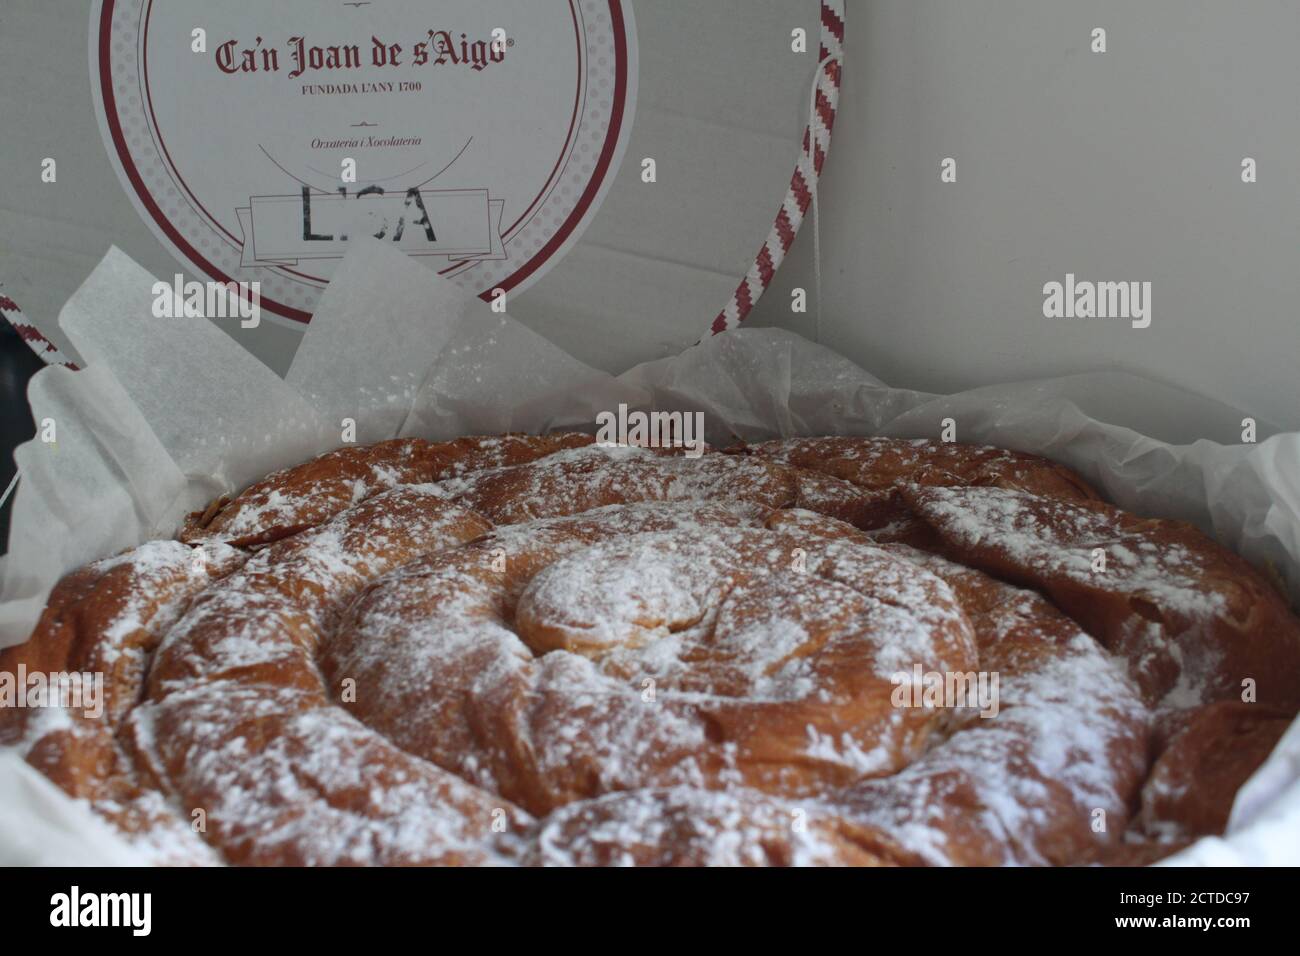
<point x="247" y="238"/>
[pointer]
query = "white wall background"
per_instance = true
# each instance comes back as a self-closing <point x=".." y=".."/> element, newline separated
<point x="1116" y="166"/>
<point x="1123" y="165"/>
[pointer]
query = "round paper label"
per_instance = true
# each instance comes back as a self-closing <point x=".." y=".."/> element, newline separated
<point x="479" y="136"/>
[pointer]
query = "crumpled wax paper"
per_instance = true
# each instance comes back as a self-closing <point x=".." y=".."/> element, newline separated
<point x="170" y="413"/>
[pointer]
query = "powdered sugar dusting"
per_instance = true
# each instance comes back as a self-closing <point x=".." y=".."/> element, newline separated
<point x="517" y="650"/>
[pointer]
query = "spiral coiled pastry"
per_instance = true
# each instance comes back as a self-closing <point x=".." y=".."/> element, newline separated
<point x="543" y="651"/>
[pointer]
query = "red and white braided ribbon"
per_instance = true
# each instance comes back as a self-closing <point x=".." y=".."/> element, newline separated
<point x="39" y="344"/>
<point x="803" y="185"/>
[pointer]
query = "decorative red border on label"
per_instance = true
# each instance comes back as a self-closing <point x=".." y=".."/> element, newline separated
<point x="604" y="161"/>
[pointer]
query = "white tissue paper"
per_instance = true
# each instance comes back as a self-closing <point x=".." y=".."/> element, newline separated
<point x="169" y="414"/>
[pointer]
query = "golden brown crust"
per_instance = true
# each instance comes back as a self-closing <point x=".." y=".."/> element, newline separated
<point x="430" y="642"/>
<point x="1213" y="751"/>
<point x="582" y="479"/>
<point x="106" y="620"/>
<point x="1137" y="851"/>
<point x="1195" y="621"/>
<point x="1028" y="785"/>
<point x="236" y="681"/>
<point x="678" y="828"/>
<point x="722" y="708"/>
<point x="309" y="494"/>
<point x="879" y="468"/>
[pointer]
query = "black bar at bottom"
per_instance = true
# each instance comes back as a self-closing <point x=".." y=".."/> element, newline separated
<point x="664" y="908"/>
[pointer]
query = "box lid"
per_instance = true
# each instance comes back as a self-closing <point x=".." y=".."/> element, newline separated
<point x="610" y="165"/>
